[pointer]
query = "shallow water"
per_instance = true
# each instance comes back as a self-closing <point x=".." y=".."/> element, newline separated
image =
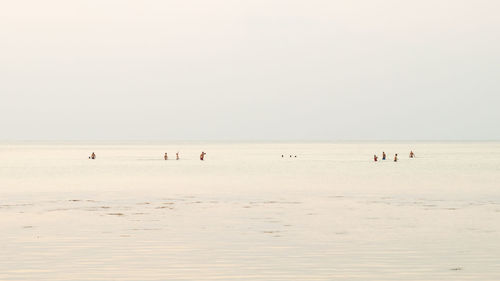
<point x="246" y="213"/>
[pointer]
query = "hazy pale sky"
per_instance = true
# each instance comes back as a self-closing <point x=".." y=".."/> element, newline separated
<point x="256" y="70"/>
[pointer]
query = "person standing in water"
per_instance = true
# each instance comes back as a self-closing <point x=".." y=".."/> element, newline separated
<point x="202" y="156"/>
<point x="412" y="155"/>
<point x="375" y="158"/>
<point x="92" y="156"/>
<point x="396" y="157"/>
<point x="177" y="156"/>
<point x="383" y="155"/>
<point x="165" y="156"/>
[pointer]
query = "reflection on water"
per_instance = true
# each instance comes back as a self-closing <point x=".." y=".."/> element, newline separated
<point x="316" y="217"/>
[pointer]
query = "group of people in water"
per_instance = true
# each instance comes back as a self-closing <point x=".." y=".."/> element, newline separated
<point x="202" y="156"/>
<point x="384" y="156"/>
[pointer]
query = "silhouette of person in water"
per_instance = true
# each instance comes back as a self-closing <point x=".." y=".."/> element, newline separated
<point x="383" y="155"/>
<point x="92" y="156"/>
<point x="202" y="156"/>
<point x="396" y="157"/>
<point x="165" y="156"/>
<point x="375" y="158"/>
<point x="412" y="155"/>
<point x="177" y="156"/>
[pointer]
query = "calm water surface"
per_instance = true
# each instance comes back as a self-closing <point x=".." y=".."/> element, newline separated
<point x="246" y="213"/>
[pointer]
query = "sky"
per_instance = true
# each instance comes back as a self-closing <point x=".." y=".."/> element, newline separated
<point x="250" y="70"/>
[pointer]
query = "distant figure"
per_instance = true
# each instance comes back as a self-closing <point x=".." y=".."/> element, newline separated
<point x="177" y="156"/>
<point x="92" y="156"/>
<point x="165" y="156"/>
<point x="375" y="158"/>
<point x="282" y="155"/>
<point x="202" y="156"/>
<point x="396" y="157"/>
<point x="295" y="156"/>
<point x="412" y="155"/>
<point x="383" y="155"/>
<point x="290" y="156"/>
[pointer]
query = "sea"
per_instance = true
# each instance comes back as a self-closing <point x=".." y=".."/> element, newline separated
<point x="250" y="211"/>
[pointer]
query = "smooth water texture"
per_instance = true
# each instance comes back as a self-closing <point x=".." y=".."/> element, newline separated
<point x="246" y="213"/>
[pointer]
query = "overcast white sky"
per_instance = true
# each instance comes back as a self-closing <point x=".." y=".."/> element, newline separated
<point x="250" y="70"/>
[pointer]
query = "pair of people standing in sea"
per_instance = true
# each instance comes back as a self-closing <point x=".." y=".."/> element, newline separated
<point x="176" y="156"/>
<point x="384" y="156"/>
<point x="412" y="155"/>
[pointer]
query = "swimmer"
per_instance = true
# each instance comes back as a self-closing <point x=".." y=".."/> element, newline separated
<point x="375" y="158"/>
<point x="92" y="156"/>
<point x="412" y="155"/>
<point x="202" y="156"/>
<point x="165" y="156"/>
<point x="383" y="155"/>
<point x="396" y="157"/>
<point x="177" y="156"/>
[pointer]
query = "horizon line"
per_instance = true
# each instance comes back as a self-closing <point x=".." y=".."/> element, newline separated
<point x="238" y="140"/>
